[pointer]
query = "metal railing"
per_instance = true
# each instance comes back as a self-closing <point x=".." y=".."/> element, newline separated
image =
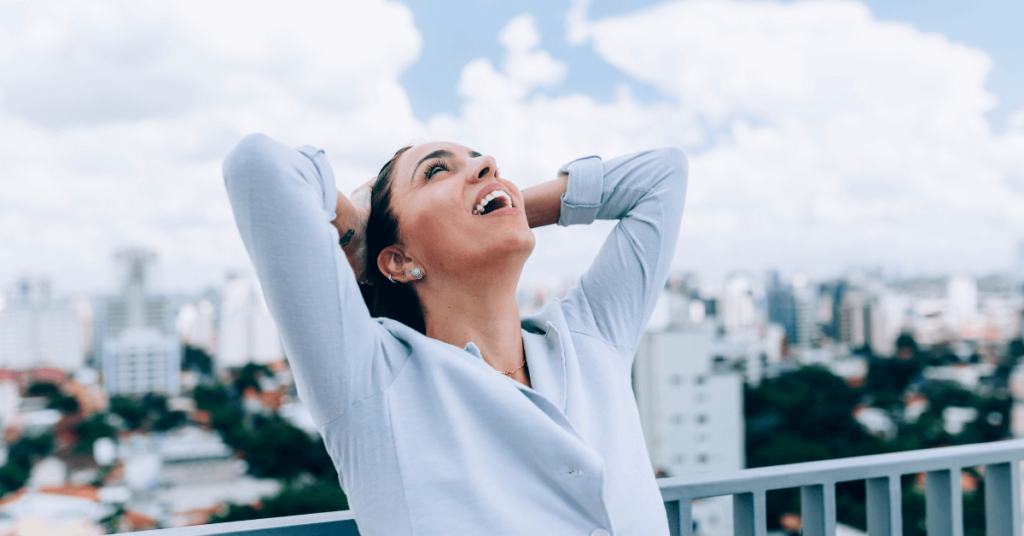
<point x="881" y="474"/>
<point x="816" y="480"/>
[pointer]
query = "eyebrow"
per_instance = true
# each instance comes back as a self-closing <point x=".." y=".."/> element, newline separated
<point x="440" y="153"/>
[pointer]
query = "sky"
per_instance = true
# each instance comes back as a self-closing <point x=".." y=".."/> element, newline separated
<point x="821" y="135"/>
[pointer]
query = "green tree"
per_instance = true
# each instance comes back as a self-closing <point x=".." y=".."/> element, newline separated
<point x="129" y="410"/>
<point x="250" y="375"/>
<point x="47" y="389"/>
<point x="64" y="404"/>
<point x="322" y="497"/>
<point x="20" y="458"/>
<point x="92" y="429"/>
<point x="196" y="359"/>
<point x="278" y="449"/>
<point x="208" y="397"/>
<point x="170" y="420"/>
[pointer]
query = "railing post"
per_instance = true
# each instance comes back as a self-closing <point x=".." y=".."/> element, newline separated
<point x="944" y="503"/>
<point x="885" y="506"/>
<point x="818" y="509"/>
<point x="748" y="514"/>
<point x="680" y="517"/>
<point x="1002" y="499"/>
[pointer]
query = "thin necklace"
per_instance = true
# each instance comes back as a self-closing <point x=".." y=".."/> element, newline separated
<point x="513" y="371"/>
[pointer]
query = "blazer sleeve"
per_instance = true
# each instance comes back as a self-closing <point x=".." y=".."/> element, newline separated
<point x="283" y="200"/>
<point x="646" y="192"/>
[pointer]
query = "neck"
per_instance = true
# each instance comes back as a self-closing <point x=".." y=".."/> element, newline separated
<point x="477" y="308"/>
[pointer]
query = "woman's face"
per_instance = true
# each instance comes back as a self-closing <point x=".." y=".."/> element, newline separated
<point x="437" y="193"/>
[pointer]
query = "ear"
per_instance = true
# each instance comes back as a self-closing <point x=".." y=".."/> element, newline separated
<point x="392" y="260"/>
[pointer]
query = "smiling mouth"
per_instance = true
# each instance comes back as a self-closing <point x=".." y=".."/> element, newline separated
<point x="495" y="200"/>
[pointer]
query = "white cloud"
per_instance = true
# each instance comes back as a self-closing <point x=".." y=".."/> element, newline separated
<point x="831" y="123"/>
<point x="818" y="135"/>
<point x="114" y="118"/>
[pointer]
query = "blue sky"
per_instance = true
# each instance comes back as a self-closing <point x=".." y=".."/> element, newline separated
<point x="472" y="25"/>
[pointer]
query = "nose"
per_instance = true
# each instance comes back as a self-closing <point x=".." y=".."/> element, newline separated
<point x="484" y="167"/>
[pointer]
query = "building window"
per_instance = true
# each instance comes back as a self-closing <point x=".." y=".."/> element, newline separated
<point x="699" y="380"/>
<point x="702" y="419"/>
<point x="700" y="437"/>
<point x="702" y="459"/>
<point x="700" y="398"/>
<point x="678" y="459"/>
<point x="675" y="379"/>
<point x="677" y="418"/>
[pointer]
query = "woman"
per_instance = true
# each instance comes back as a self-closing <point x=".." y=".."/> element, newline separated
<point x="449" y="414"/>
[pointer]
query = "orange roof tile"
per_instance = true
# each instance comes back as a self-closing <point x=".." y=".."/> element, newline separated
<point x="83" y="491"/>
<point x="138" y="520"/>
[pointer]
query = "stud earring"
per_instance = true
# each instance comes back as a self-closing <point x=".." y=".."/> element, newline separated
<point x="416" y="273"/>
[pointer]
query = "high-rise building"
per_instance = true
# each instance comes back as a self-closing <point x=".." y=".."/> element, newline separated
<point x="196" y="325"/>
<point x="247" y="331"/>
<point x="782" y="307"/>
<point x="140" y="352"/>
<point x="854" y="322"/>
<point x="739" y="306"/>
<point x="804" y="302"/>
<point x="38" y="330"/>
<point x="691" y="411"/>
<point x="961" y="301"/>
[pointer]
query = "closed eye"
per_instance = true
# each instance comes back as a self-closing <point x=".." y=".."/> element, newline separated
<point x="434" y="168"/>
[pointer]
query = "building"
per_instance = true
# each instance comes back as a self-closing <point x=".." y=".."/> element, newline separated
<point x="962" y="301"/>
<point x="140" y="351"/>
<point x="38" y="330"/>
<point x="691" y="411"/>
<point x="739" y="304"/>
<point x="135" y="305"/>
<point x="247" y="331"/>
<point x="804" y="302"/>
<point x="782" y="307"/>
<point x="196" y="325"/>
<point x="140" y="361"/>
<point x="854" y="321"/>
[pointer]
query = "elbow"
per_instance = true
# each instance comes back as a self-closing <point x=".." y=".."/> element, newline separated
<point x="252" y="152"/>
<point x="675" y="169"/>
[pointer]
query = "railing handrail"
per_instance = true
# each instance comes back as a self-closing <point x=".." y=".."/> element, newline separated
<point x="748" y="487"/>
<point x="840" y="470"/>
<point x="341" y="523"/>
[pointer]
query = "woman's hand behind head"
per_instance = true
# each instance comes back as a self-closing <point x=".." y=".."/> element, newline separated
<point x="352" y="214"/>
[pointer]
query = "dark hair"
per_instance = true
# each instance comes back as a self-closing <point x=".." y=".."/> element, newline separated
<point x="383" y="298"/>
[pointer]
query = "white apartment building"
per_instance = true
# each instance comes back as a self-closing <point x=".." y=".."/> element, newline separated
<point x="692" y="415"/>
<point x="139" y="353"/>
<point x="37" y="330"/>
<point x="140" y="361"/>
<point x="247" y="331"/>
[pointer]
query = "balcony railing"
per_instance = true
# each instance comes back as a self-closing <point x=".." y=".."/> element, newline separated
<point x="816" y="480"/>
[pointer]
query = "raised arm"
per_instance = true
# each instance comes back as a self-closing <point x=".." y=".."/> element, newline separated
<point x="646" y="192"/>
<point x="285" y="201"/>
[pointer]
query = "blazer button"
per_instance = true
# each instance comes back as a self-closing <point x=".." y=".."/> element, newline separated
<point x="600" y="532"/>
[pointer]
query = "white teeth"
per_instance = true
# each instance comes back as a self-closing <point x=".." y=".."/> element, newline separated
<point x="490" y="197"/>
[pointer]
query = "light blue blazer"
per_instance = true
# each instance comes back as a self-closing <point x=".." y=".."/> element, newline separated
<point x="428" y="439"/>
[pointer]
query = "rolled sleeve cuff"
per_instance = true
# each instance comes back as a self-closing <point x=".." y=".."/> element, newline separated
<point x="330" y="191"/>
<point x="582" y="198"/>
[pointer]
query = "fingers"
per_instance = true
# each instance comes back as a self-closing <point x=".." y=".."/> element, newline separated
<point x="361" y="195"/>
